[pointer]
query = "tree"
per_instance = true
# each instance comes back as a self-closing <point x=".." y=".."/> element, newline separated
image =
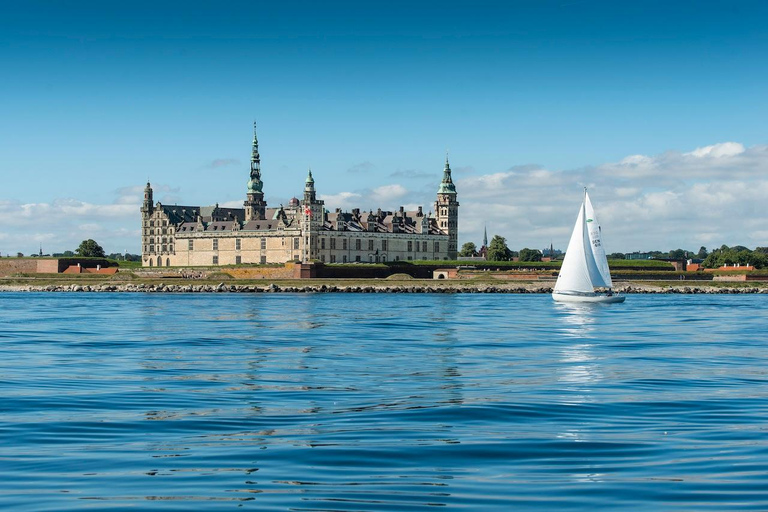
<point x="498" y="250"/>
<point x="678" y="254"/>
<point x="617" y="256"/>
<point x="90" y="249"/>
<point x="702" y="253"/>
<point x="530" y="255"/>
<point x="468" y="249"/>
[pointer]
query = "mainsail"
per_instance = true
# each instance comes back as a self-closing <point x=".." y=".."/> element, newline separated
<point x="596" y="244"/>
<point x="579" y="272"/>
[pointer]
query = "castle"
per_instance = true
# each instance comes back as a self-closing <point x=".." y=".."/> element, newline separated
<point x="302" y="231"/>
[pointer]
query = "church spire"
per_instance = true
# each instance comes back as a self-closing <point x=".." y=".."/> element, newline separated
<point x="485" y="236"/>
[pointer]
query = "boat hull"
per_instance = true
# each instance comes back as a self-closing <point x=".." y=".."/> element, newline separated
<point x="597" y="298"/>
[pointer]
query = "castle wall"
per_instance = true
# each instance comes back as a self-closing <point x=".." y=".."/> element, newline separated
<point x="10" y="266"/>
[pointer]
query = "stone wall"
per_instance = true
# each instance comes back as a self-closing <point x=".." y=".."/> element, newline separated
<point x="283" y="272"/>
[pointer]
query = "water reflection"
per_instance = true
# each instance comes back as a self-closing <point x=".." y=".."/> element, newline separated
<point x="579" y="369"/>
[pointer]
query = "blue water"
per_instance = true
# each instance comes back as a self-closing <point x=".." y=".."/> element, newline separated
<point x="382" y="402"/>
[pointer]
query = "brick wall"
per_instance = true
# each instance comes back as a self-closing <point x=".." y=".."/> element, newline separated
<point x="10" y="266"/>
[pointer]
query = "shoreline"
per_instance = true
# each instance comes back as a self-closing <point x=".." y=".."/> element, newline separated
<point x="517" y="288"/>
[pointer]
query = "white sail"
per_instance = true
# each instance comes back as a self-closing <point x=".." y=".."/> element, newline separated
<point x="575" y="275"/>
<point x="596" y="244"/>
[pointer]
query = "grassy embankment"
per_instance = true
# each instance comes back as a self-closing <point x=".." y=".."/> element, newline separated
<point x="646" y="272"/>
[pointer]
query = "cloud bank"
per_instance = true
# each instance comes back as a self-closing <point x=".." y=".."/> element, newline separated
<point x="711" y="195"/>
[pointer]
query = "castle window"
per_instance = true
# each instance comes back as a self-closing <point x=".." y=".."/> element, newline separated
<point x="410" y="246"/>
<point x="215" y="244"/>
<point x="357" y="258"/>
<point x="238" y="260"/>
<point x="190" y="245"/>
<point x="215" y="260"/>
<point x="263" y="259"/>
<point x="358" y="245"/>
<point x="383" y="245"/>
<point x="333" y="244"/>
<point x="295" y="243"/>
<point x="333" y="258"/>
<point x="170" y="248"/>
<point x="322" y="243"/>
<point x="237" y="244"/>
<point x="344" y="246"/>
<point x="165" y="248"/>
<point x="151" y="224"/>
<point x="151" y="240"/>
<point x="151" y="248"/>
<point x="410" y="258"/>
<point x="322" y="258"/>
<point x="424" y="246"/>
<point x="437" y="246"/>
<point x="370" y="245"/>
<point x="417" y="246"/>
<point x="345" y="258"/>
<point x="263" y="244"/>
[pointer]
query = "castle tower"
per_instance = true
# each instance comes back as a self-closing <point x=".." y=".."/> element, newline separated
<point x="147" y="209"/>
<point x="255" y="206"/>
<point x="447" y="210"/>
<point x="148" y="205"/>
<point x="312" y="218"/>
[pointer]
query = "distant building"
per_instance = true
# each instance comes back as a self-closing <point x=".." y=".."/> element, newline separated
<point x="638" y="256"/>
<point x="304" y="230"/>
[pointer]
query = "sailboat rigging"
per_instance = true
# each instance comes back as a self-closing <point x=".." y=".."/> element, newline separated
<point x="584" y="275"/>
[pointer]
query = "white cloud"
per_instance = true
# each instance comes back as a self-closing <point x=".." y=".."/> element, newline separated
<point x="718" y="150"/>
<point x="386" y="194"/>
<point x="712" y="195"/>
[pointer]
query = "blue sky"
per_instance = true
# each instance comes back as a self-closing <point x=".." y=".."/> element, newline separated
<point x="97" y="97"/>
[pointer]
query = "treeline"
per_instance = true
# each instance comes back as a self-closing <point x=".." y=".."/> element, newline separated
<point x="498" y="250"/>
<point x="91" y="249"/>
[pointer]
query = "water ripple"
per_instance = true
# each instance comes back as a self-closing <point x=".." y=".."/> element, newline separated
<point x="382" y="402"/>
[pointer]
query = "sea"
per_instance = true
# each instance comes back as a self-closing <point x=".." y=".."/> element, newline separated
<point x="326" y="402"/>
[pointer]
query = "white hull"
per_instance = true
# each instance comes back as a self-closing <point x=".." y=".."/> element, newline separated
<point x="584" y="298"/>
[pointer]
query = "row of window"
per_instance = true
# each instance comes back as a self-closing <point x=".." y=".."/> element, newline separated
<point x="412" y="246"/>
<point x="162" y="248"/>
<point x="358" y="258"/>
<point x="238" y="244"/>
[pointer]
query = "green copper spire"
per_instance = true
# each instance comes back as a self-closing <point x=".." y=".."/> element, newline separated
<point x="310" y="179"/>
<point x="447" y="186"/>
<point x="255" y="158"/>
<point x="255" y="184"/>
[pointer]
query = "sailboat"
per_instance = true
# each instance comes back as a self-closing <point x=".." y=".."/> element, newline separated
<point x="584" y="275"/>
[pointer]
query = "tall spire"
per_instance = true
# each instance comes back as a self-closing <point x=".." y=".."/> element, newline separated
<point x="485" y="236"/>
<point x="255" y="158"/>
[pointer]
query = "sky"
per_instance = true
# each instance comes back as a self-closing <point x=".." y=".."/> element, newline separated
<point x="658" y="107"/>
